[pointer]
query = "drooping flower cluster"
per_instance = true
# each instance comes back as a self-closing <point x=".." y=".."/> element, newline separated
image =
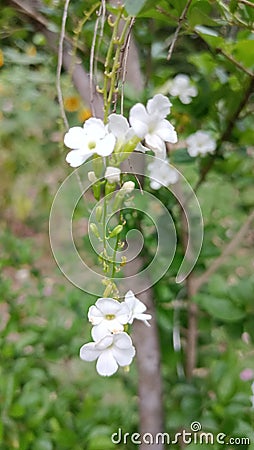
<point x="200" y="143"/>
<point x="181" y="87"/>
<point x="147" y="124"/>
<point x="112" y="346"/>
<point x="162" y="174"/>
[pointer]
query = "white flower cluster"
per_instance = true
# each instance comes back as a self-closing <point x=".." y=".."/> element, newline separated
<point x="200" y="143"/>
<point x="147" y="124"/>
<point x="181" y="87"/>
<point x="112" y="346"/>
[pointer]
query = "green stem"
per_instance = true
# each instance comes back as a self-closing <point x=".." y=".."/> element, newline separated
<point x="114" y="257"/>
<point x="107" y="63"/>
<point x="104" y="225"/>
<point x="115" y="66"/>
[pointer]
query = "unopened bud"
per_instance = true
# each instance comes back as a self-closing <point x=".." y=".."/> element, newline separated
<point x="117" y="230"/>
<point x="92" y="177"/>
<point x="127" y="187"/>
<point x="94" y="229"/>
<point x="98" y="213"/>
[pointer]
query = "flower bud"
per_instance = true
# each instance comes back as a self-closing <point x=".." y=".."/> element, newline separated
<point x="98" y="213"/>
<point x="127" y="187"/>
<point x="92" y="177"/>
<point x="117" y="230"/>
<point x="112" y="174"/>
<point x="94" y="229"/>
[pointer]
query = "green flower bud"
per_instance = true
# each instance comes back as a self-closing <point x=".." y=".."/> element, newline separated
<point x="117" y="230"/>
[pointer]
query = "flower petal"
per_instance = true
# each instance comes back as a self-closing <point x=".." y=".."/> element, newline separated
<point x="95" y="128"/>
<point x="118" y="125"/>
<point x="105" y="146"/>
<point x="106" y="364"/>
<point x="105" y="342"/>
<point x="166" y="131"/>
<point x="139" y="120"/>
<point x="122" y="340"/>
<point x="154" y="185"/>
<point x="95" y="315"/>
<point x="159" y="105"/>
<point x="156" y="143"/>
<point x="89" y="352"/>
<point x="100" y="331"/>
<point x="75" y="158"/>
<point x="74" y="138"/>
<point x="108" y="305"/>
<point x="124" y="357"/>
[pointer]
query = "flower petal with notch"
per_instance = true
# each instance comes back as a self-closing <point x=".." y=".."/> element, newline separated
<point x="84" y="142"/>
<point x="111" y="351"/>
<point x="136" y="308"/>
<point x="107" y="316"/>
<point x="150" y="124"/>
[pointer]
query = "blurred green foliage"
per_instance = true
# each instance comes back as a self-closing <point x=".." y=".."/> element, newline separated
<point x="49" y="399"/>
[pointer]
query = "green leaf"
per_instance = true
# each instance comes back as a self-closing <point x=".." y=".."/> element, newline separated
<point x="133" y="7"/>
<point x="221" y="308"/>
<point x="199" y="14"/>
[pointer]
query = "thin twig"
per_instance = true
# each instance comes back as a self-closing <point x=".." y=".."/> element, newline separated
<point x="60" y="63"/>
<point x="125" y="58"/>
<point x="246" y="2"/>
<point x="228" y="250"/>
<point x="226" y="134"/>
<point x="91" y="72"/>
<point x="180" y="21"/>
<point x="235" y="62"/>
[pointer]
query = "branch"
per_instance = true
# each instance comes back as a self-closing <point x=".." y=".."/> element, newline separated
<point x="246" y="2"/>
<point x="235" y="62"/>
<point x="180" y="21"/>
<point x="148" y="363"/>
<point x="228" y="250"/>
<point x="227" y="133"/>
<point x="79" y="75"/>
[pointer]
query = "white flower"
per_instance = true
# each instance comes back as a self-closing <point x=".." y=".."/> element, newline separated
<point x="181" y="87"/>
<point x="200" y="143"/>
<point x="150" y="124"/>
<point x="112" y="350"/>
<point x="84" y="142"/>
<point x="137" y="308"/>
<point x="162" y="174"/>
<point x="112" y="174"/>
<point x="107" y="316"/>
<point x="127" y="187"/>
<point x="119" y="126"/>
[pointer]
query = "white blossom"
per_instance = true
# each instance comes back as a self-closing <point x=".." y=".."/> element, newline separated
<point x="181" y="87"/>
<point x="150" y="124"/>
<point x="112" y="174"/>
<point x="136" y="308"/>
<point x="85" y="141"/>
<point x="111" y="351"/>
<point x="119" y="126"/>
<point x="161" y="174"/>
<point x="200" y="143"/>
<point x="107" y="316"/>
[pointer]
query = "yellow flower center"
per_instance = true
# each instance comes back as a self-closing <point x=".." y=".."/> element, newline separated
<point x="110" y="316"/>
<point x="92" y="145"/>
